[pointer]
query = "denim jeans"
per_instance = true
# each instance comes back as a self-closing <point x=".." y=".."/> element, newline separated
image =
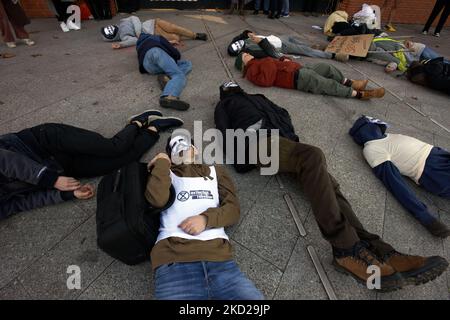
<point x="157" y="61"/>
<point x="291" y="45"/>
<point x="258" y="5"/>
<point x="203" y="280"/>
<point x="285" y="7"/>
<point x="429" y="53"/>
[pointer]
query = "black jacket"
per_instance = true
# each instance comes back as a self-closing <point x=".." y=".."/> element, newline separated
<point x="242" y="110"/>
<point x="27" y="175"/>
<point x="147" y="42"/>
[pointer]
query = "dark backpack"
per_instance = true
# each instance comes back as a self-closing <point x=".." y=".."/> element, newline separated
<point x="434" y="73"/>
<point x="127" y="226"/>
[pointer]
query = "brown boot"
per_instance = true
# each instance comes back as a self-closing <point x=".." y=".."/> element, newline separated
<point x="438" y="229"/>
<point x="356" y="265"/>
<point x="416" y="270"/>
<point x="359" y="85"/>
<point x="375" y="93"/>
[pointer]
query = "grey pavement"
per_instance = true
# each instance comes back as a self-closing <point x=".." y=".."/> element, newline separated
<point x="76" y="78"/>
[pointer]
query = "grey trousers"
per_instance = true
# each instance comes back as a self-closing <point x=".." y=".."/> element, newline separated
<point x="323" y="78"/>
<point x="291" y="45"/>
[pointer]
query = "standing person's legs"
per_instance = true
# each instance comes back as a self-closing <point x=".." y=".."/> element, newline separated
<point x="181" y="281"/>
<point x="61" y="10"/>
<point x="309" y="80"/>
<point x="285" y="8"/>
<point x="291" y="45"/>
<point x="172" y="31"/>
<point x="5" y="26"/>
<point x="434" y="13"/>
<point x="227" y="282"/>
<point x="443" y="18"/>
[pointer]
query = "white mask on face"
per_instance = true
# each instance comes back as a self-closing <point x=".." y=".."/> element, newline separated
<point x="179" y="144"/>
<point x="237" y="46"/>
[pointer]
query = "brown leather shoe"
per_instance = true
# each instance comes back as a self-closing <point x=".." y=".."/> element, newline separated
<point x="416" y="270"/>
<point x="356" y="266"/>
<point x="369" y="94"/>
<point x="359" y="85"/>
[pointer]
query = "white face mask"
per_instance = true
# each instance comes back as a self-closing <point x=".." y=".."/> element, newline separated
<point x="237" y="46"/>
<point x="177" y="145"/>
<point x="109" y="30"/>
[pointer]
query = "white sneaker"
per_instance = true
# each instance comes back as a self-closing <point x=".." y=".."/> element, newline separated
<point x="11" y="44"/>
<point x="64" y="27"/>
<point x="437" y="34"/>
<point x="73" y="26"/>
<point x="29" y="42"/>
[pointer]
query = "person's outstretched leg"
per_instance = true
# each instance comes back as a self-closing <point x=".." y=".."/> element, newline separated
<point x="172" y="31"/>
<point x="93" y="166"/>
<point x="325" y="83"/>
<point x="434" y="13"/>
<point x="443" y="18"/>
<point x="291" y="45"/>
<point x="227" y="282"/>
<point x="62" y="138"/>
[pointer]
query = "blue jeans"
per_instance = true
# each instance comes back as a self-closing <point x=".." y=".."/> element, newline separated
<point x="291" y="45"/>
<point x="157" y="61"/>
<point x="285" y="8"/>
<point x="429" y="53"/>
<point x="258" y="5"/>
<point x="203" y="281"/>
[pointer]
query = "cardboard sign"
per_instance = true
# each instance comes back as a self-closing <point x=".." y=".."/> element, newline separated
<point x="353" y="45"/>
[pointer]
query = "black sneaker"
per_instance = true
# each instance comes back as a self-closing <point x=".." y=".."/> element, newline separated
<point x="256" y="12"/>
<point x="438" y="229"/>
<point x="266" y="12"/>
<point x="162" y="80"/>
<point x="164" y="123"/>
<point x="176" y="104"/>
<point x="142" y="118"/>
<point x="201" y="36"/>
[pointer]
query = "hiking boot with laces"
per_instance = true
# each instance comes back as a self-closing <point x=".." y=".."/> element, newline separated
<point x="356" y="261"/>
<point x="416" y="270"/>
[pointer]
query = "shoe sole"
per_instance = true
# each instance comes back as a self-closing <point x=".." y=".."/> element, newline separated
<point x="167" y="118"/>
<point x="388" y="284"/>
<point x="420" y="276"/>
<point x="179" y="108"/>
<point x="150" y="110"/>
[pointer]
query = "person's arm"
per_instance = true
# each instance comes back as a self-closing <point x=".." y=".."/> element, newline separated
<point x="262" y="73"/>
<point x="228" y="212"/>
<point x="16" y="166"/>
<point x="391" y="177"/>
<point x="33" y="200"/>
<point x="157" y="191"/>
<point x="128" y="41"/>
<point x="269" y="49"/>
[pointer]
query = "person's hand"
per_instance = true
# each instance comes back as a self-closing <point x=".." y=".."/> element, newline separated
<point x="115" y="46"/>
<point x="157" y="157"/>
<point x="194" y="225"/>
<point x="66" y="184"/>
<point x="254" y="38"/>
<point x="84" y="192"/>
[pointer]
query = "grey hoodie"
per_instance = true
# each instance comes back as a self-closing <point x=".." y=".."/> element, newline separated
<point x="130" y="29"/>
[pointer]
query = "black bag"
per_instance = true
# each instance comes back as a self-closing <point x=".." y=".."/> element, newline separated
<point x="127" y="226"/>
<point x="434" y="73"/>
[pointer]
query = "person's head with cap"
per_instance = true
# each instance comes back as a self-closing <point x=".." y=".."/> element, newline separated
<point x="229" y="88"/>
<point x="110" y="33"/>
<point x="181" y="149"/>
<point x="367" y="129"/>
<point x="242" y="60"/>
